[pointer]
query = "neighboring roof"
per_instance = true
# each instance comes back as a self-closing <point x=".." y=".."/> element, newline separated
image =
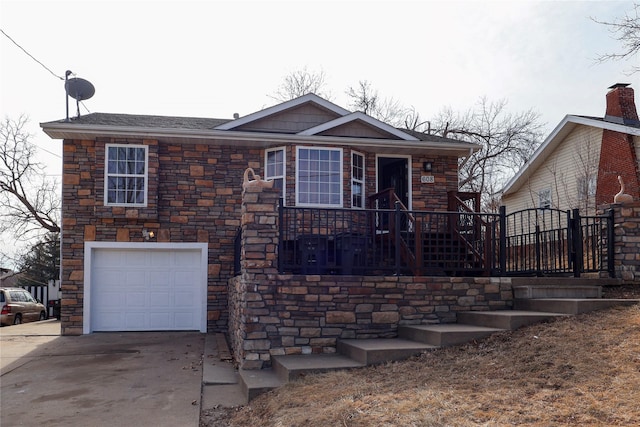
<point x="192" y="129"/>
<point x="566" y="126"/>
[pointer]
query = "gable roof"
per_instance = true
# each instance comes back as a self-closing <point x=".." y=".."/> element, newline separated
<point x="564" y="128"/>
<point x="310" y="97"/>
<point x="323" y="129"/>
<point x="351" y="117"/>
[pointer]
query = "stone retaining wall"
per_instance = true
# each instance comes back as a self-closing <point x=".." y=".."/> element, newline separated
<point x="274" y="314"/>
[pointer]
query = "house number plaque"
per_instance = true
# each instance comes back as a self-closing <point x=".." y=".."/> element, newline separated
<point x="427" y="179"/>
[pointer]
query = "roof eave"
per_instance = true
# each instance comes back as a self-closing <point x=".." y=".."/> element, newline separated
<point x="61" y="130"/>
<point x="551" y="142"/>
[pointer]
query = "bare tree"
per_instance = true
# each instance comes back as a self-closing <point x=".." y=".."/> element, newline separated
<point x="301" y="82"/>
<point x="367" y="100"/>
<point x="507" y="142"/>
<point x="29" y="200"/>
<point x="627" y="31"/>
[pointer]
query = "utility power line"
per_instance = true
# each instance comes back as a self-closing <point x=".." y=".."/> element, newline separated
<point x="30" y="56"/>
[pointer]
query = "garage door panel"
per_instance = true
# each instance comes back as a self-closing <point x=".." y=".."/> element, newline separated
<point x="160" y="299"/>
<point x="135" y="258"/>
<point x="135" y="278"/>
<point x="105" y="276"/>
<point x="111" y="300"/>
<point x="162" y="259"/>
<point x="135" y="321"/>
<point x="185" y="278"/>
<point x="161" y="320"/>
<point x="184" y="319"/>
<point x="187" y="258"/>
<point x="185" y="299"/>
<point x="110" y="321"/>
<point x="109" y="258"/>
<point x="160" y="278"/>
<point x="135" y="299"/>
<point x="147" y="289"/>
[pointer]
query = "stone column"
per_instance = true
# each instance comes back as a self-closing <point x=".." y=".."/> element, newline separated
<point x="627" y="242"/>
<point x="251" y="293"/>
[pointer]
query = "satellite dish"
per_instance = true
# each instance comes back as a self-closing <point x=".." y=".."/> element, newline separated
<point x="79" y="89"/>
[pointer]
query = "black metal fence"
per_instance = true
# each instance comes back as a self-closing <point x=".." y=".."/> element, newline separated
<point x="542" y="242"/>
<point x="386" y="241"/>
<point x="552" y="242"/>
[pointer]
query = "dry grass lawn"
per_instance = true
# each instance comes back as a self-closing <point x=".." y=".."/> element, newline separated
<point x="582" y="370"/>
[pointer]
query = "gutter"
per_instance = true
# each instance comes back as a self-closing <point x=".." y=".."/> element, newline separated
<point x="59" y="130"/>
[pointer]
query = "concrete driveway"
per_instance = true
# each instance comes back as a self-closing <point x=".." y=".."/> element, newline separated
<point x="101" y="379"/>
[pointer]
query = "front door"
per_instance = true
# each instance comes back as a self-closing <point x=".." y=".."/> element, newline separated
<point x="393" y="172"/>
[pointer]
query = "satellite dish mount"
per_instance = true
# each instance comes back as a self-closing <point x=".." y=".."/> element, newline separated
<point x="77" y="88"/>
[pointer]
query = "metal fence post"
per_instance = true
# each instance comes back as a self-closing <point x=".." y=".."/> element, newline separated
<point x="610" y="244"/>
<point x="502" y="248"/>
<point x="280" y="234"/>
<point x="397" y="237"/>
<point x="576" y="242"/>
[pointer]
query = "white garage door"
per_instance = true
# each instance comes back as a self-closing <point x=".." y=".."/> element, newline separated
<point x="147" y="290"/>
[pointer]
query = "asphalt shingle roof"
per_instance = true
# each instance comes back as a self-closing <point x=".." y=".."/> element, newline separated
<point x="135" y="120"/>
<point x="194" y="123"/>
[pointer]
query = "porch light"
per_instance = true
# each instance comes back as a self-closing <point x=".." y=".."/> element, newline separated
<point x="148" y="234"/>
<point x="427" y="166"/>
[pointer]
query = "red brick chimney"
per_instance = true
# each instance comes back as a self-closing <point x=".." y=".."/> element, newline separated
<point x="617" y="152"/>
<point x="621" y="107"/>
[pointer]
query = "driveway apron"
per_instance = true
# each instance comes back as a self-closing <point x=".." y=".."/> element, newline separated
<point x="101" y="379"/>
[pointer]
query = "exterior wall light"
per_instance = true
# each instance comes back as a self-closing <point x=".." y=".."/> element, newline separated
<point x="427" y="166"/>
<point x="148" y="235"/>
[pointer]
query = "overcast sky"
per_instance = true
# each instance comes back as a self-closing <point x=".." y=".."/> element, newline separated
<point x="216" y="58"/>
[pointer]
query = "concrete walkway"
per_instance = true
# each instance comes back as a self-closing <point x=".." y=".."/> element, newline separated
<point x="102" y="379"/>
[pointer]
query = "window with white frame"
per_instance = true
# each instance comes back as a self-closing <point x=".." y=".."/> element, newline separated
<point x="126" y="177"/>
<point x="357" y="180"/>
<point x="318" y="176"/>
<point x="586" y="187"/>
<point x="544" y="198"/>
<point x="275" y="168"/>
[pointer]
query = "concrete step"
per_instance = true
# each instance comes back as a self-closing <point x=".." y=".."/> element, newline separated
<point x="257" y="381"/>
<point x="446" y="334"/>
<point x="556" y="291"/>
<point x="506" y="319"/>
<point x="374" y="351"/>
<point x="289" y="368"/>
<point x="571" y="305"/>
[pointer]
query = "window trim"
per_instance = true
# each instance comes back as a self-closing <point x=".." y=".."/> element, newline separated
<point x="544" y="192"/>
<point x="358" y="181"/>
<point x="268" y="177"/>
<point x="106" y="175"/>
<point x="341" y="185"/>
<point x="586" y="187"/>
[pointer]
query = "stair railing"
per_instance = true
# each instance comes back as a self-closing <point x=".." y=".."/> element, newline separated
<point x="412" y="256"/>
<point x="459" y="202"/>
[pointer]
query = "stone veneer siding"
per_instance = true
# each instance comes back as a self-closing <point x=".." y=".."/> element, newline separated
<point x="274" y="314"/>
<point x="194" y="196"/>
<point x="627" y="241"/>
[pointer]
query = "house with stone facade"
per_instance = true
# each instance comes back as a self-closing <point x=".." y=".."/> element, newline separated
<point x="152" y="206"/>
<point x="578" y="164"/>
